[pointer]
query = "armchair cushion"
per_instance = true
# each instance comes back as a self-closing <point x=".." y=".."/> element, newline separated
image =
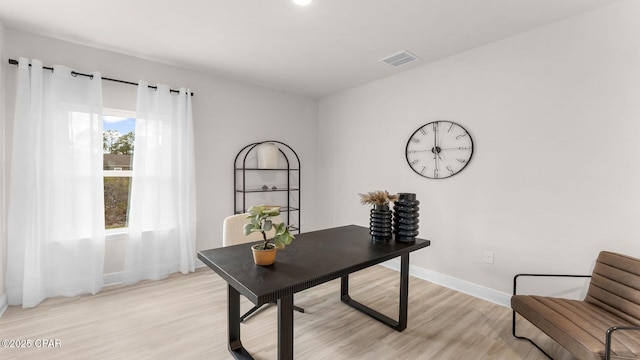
<point x="615" y="286"/>
<point x="613" y="299"/>
<point x="578" y="326"/>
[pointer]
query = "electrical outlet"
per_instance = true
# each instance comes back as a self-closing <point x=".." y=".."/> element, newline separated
<point x="487" y="257"/>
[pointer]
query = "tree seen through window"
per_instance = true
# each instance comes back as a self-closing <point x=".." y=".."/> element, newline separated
<point x="118" y="139"/>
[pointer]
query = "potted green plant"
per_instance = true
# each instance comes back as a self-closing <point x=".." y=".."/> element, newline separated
<point x="260" y="216"/>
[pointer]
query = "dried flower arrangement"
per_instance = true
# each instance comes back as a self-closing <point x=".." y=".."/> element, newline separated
<point x="379" y="197"/>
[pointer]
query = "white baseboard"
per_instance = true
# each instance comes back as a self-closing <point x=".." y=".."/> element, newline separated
<point x="4" y="304"/>
<point x="112" y="278"/>
<point x="115" y="278"/>
<point x="463" y="286"/>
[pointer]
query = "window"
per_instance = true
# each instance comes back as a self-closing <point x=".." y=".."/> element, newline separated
<point x="118" y="136"/>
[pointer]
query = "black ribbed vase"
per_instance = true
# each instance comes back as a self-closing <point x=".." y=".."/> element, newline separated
<point x="406" y="218"/>
<point x="380" y="224"/>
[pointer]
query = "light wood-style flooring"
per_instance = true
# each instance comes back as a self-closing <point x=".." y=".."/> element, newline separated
<point x="184" y="317"/>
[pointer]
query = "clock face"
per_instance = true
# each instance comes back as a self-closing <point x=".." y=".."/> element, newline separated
<point x="439" y="149"/>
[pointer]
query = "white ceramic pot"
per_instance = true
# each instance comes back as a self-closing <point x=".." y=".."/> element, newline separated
<point x="267" y="156"/>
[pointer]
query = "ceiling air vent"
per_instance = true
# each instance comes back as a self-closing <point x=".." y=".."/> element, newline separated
<point x="401" y="58"/>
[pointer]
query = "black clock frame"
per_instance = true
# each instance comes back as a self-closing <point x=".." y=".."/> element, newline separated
<point x="438" y="149"/>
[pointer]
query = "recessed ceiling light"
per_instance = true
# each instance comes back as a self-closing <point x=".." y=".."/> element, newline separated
<point x="302" y="2"/>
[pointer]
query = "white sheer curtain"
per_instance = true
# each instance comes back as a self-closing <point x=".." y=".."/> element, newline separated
<point x="161" y="226"/>
<point x="56" y="204"/>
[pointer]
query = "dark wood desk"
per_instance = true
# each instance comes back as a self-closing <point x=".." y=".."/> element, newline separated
<point x="312" y="259"/>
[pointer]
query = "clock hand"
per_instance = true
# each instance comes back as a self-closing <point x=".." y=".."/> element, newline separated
<point x="456" y="148"/>
<point x="435" y="148"/>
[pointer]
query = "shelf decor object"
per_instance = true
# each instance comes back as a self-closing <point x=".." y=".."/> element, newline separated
<point x="267" y="156"/>
<point x="380" y="216"/>
<point x="259" y="177"/>
<point x="406" y="218"/>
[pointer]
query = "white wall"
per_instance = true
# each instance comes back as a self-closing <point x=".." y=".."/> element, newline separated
<point x="227" y="116"/>
<point x="553" y="112"/>
<point x="555" y="175"/>
<point x="3" y="295"/>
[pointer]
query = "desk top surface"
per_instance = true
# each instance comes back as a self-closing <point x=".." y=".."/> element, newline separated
<point x="311" y="259"/>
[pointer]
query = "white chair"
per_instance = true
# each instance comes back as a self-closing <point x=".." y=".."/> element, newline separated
<point x="232" y="234"/>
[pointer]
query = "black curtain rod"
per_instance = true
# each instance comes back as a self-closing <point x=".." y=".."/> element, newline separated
<point x="75" y="73"/>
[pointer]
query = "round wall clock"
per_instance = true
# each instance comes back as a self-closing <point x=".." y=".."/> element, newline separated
<point x="439" y="149"/>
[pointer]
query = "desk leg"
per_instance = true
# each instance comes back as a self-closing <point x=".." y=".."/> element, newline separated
<point x="233" y="321"/>
<point x="344" y="288"/>
<point x="285" y="328"/>
<point x="404" y="292"/>
<point x="399" y="325"/>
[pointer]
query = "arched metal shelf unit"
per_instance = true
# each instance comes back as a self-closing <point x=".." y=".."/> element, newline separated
<point x="250" y="187"/>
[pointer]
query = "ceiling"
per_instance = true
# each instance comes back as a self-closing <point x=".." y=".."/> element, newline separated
<point x="320" y="49"/>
